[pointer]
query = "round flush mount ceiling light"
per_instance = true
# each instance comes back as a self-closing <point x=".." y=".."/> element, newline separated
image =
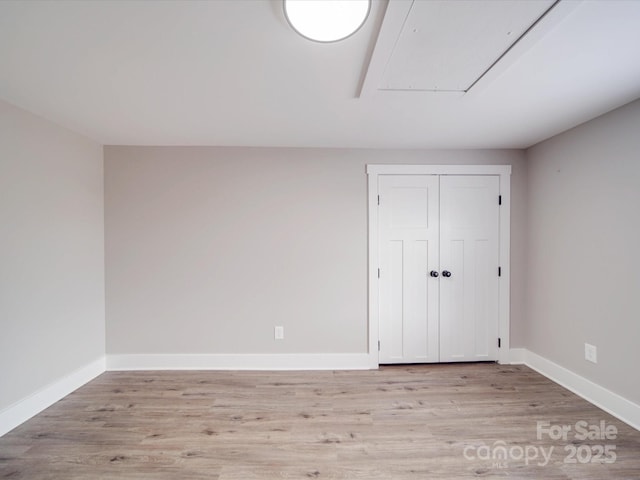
<point x="326" y="20"/>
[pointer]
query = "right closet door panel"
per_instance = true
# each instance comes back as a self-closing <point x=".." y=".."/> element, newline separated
<point x="469" y="233"/>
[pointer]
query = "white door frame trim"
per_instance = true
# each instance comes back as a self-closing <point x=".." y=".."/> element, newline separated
<point x="504" y="172"/>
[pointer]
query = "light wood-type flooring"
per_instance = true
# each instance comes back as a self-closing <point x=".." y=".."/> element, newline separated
<point x="400" y="422"/>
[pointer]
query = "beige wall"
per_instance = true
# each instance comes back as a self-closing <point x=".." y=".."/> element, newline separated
<point x="208" y="248"/>
<point x="51" y="254"/>
<point x="583" y="282"/>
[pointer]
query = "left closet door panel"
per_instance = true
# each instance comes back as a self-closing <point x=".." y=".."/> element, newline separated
<point x="409" y="250"/>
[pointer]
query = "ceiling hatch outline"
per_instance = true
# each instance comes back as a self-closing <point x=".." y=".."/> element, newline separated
<point x="519" y="28"/>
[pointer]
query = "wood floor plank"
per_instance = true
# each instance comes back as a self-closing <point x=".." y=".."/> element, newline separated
<point x="400" y="422"/>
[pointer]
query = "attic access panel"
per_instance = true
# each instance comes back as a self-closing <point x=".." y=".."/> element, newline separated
<point x="447" y="46"/>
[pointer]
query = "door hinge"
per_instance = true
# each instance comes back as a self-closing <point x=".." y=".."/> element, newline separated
<point x="378" y="345"/>
<point x="499" y="343"/>
<point x="378" y="273"/>
<point x="378" y="199"/>
<point x="499" y="200"/>
<point x="499" y="271"/>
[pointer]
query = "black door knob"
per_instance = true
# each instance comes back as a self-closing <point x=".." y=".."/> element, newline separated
<point x="433" y="273"/>
<point x="446" y="273"/>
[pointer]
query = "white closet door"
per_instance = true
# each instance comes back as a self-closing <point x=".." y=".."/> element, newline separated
<point x="469" y="232"/>
<point x="408" y="235"/>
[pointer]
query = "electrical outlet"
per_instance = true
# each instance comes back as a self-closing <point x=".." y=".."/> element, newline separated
<point x="278" y="333"/>
<point x="590" y="353"/>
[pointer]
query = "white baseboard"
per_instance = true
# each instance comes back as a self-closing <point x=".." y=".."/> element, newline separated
<point x="26" y="408"/>
<point x="517" y="356"/>
<point x="610" y="402"/>
<point x="319" y="361"/>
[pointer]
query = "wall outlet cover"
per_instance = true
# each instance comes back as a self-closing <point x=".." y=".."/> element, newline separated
<point x="278" y="333"/>
<point x="591" y="353"/>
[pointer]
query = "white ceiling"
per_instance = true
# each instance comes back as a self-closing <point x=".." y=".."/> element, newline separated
<point x="231" y="72"/>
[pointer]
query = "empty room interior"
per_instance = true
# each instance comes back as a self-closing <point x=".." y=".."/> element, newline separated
<point x="236" y="245"/>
